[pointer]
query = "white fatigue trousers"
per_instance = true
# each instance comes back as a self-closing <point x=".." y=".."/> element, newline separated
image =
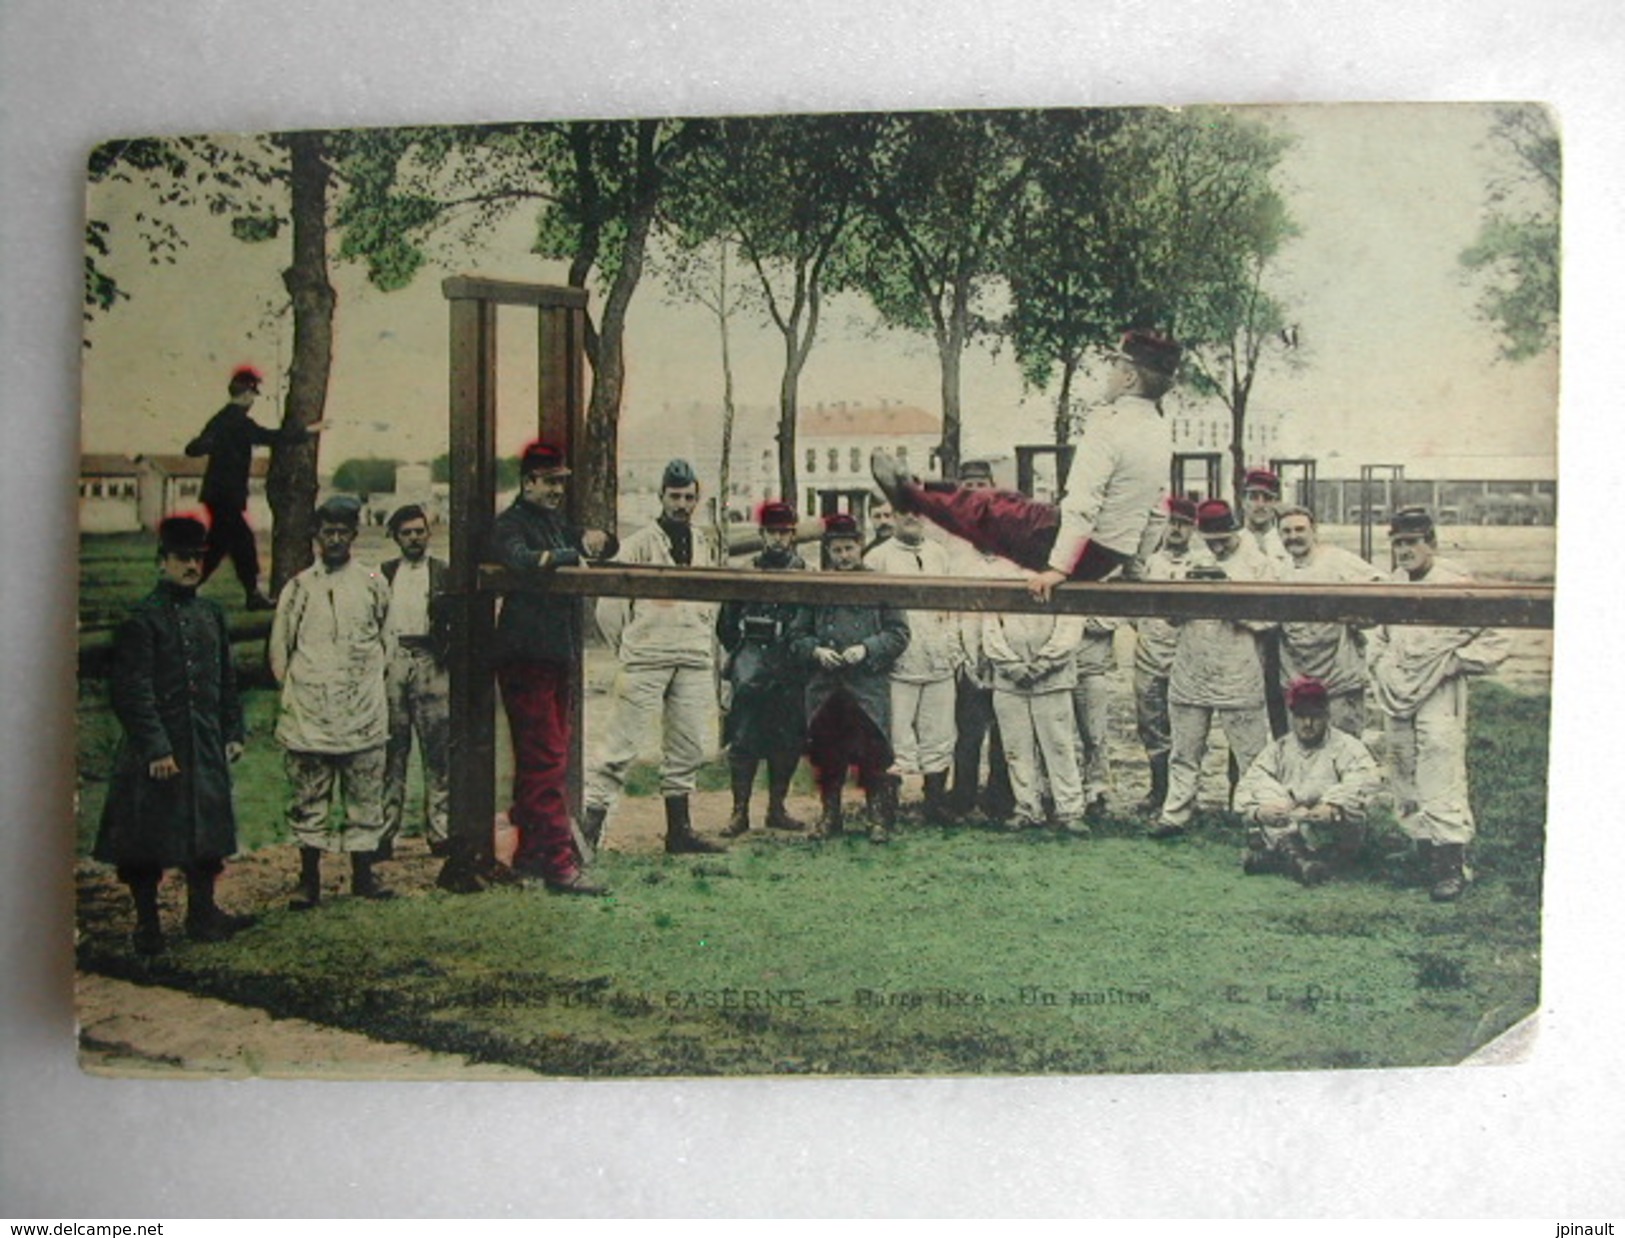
<point x="1428" y="755"/>
<point x="1247" y="730"/>
<point x="419" y="691"/>
<point x="922" y="726"/>
<point x="360" y="778"/>
<point x="1034" y="728"/>
<point x="685" y="697"/>
<point x="1091" y="701"/>
<point x="1151" y="712"/>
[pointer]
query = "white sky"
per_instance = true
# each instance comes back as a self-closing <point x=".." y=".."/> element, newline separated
<point x="1394" y="365"/>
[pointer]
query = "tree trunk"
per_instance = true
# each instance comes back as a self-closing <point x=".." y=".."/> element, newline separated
<point x="1063" y="402"/>
<point x="1238" y="446"/>
<point x="291" y="483"/>
<point x="725" y="469"/>
<point x="950" y="347"/>
<point x="789" y="388"/>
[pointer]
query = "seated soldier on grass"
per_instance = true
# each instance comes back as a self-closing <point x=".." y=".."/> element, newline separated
<point x="1306" y="795"/>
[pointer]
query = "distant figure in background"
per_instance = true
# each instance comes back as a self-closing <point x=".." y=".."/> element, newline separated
<point x="1260" y="505"/>
<point x="328" y="650"/>
<point x="882" y="521"/>
<point x="667" y="654"/>
<point x="1333" y="653"/>
<point x="418" y="682"/>
<point x="175" y="695"/>
<point x="1419" y="681"/>
<point x="229" y="440"/>
<point x="922" y="678"/>
<point x="538" y="647"/>
<point x="1307" y="793"/>
<point x="1109" y="515"/>
<point x="850" y="648"/>
<point x="766" y="717"/>
<point x="1154" y="643"/>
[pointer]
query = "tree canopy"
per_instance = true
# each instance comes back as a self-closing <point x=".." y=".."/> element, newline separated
<point x="1518" y="252"/>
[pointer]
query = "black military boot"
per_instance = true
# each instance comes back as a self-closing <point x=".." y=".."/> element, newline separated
<point x="830" y="821"/>
<point x="308" y="893"/>
<point x="1449" y="872"/>
<point x="204" y="919"/>
<point x="1151" y="805"/>
<point x="148" y="938"/>
<point x="779" y="773"/>
<point x="937" y="809"/>
<point x="592" y="826"/>
<point x="741" y="776"/>
<point x="680" y="836"/>
<point x="882" y="800"/>
<point x="364" y="882"/>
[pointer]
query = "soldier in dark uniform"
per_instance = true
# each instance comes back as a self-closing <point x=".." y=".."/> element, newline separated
<point x="229" y="441"/>
<point x="765" y="718"/>
<point x="851" y="649"/>
<point x="538" y="647"/>
<point x="175" y="694"/>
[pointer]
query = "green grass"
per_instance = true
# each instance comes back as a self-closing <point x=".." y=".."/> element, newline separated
<point x="945" y="952"/>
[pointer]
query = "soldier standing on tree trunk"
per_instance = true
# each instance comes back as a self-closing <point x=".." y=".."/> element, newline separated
<point x="229" y="440"/>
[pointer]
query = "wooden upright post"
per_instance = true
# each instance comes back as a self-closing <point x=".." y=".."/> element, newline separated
<point x="473" y="494"/>
<point x="561" y="417"/>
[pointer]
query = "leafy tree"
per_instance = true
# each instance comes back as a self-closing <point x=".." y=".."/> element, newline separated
<point x="937" y="210"/>
<point x="1193" y="230"/>
<point x="598" y="187"/>
<point x="369" y="475"/>
<point x="1065" y="298"/>
<point x="507" y="471"/>
<point x="1518" y="251"/>
<point x="252" y="182"/>
<point x="782" y="192"/>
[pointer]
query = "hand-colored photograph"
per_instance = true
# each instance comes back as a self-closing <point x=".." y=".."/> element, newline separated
<point x="1043" y="592"/>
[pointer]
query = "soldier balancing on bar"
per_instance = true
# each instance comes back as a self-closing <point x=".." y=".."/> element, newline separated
<point x="1111" y="513"/>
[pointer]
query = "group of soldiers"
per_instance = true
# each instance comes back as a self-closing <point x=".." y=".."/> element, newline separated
<point x="360" y="654"/>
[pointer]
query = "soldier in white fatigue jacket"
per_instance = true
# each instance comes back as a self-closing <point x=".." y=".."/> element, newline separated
<point x="1419" y="681"/>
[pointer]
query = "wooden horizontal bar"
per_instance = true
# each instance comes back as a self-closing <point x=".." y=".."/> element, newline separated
<point x="511" y="292"/>
<point x="1498" y="606"/>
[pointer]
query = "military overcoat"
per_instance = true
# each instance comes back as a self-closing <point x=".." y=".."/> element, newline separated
<point x="175" y="694"/>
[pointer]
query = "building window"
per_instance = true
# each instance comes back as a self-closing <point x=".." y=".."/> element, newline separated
<point x="857" y="459"/>
<point x="812" y="460"/>
<point x="902" y="454"/>
<point x="834" y="459"/>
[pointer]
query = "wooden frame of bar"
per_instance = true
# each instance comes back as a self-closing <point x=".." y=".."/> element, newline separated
<point x="560" y="414"/>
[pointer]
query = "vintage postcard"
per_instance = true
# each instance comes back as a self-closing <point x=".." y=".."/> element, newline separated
<point x="953" y="593"/>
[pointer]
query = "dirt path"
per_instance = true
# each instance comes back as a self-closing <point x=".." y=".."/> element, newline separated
<point x="141" y="1030"/>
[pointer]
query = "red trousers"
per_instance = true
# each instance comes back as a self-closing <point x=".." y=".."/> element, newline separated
<point x="536" y="698"/>
<point x="841" y="735"/>
<point x="1009" y="524"/>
